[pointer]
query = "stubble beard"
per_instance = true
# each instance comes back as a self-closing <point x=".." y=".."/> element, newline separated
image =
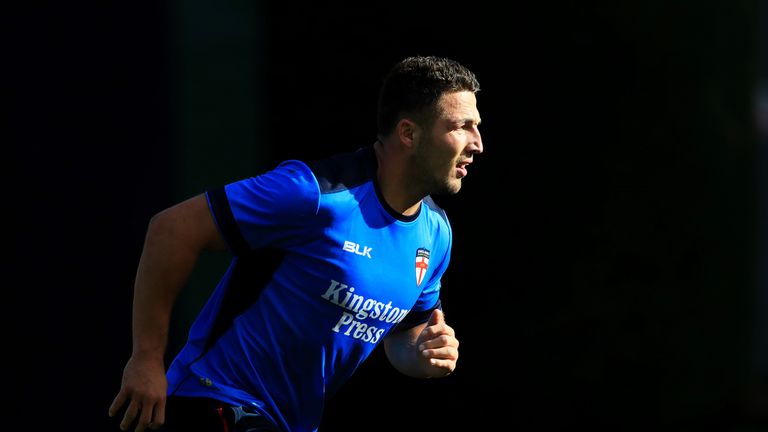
<point x="437" y="178"/>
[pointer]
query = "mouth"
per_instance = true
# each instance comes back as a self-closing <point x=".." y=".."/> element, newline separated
<point x="461" y="169"/>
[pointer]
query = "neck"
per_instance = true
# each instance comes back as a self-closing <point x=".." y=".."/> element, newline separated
<point x="395" y="182"/>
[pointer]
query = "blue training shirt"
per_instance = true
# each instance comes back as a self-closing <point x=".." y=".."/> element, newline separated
<point x="323" y="270"/>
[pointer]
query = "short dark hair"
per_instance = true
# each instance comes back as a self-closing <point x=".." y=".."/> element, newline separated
<point x="413" y="86"/>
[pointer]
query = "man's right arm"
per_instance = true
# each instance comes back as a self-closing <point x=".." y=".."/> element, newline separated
<point x="174" y="241"/>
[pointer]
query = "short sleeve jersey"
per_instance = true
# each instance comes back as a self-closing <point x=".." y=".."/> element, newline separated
<point x="323" y="270"/>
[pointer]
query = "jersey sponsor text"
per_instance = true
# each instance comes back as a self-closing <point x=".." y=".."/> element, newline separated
<point x="357" y="309"/>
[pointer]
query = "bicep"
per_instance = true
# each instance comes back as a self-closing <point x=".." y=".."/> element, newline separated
<point x="192" y="222"/>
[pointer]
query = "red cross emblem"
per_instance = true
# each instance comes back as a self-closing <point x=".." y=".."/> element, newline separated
<point x="422" y="264"/>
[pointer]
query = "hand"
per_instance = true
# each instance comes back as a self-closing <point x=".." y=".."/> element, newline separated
<point x="438" y="345"/>
<point x="145" y="386"/>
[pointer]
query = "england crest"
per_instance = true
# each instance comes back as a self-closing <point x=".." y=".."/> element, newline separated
<point x="422" y="264"/>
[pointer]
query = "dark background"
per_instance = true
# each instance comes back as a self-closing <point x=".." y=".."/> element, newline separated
<point x="609" y="264"/>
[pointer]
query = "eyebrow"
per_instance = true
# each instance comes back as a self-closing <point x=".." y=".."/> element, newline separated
<point x="466" y="120"/>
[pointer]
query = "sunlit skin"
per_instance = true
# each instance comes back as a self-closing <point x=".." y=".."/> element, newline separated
<point x="442" y="157"/>
<point x="415" y="161"/>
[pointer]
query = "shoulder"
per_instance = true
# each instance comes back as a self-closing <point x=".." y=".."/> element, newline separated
<point x="289" y="176"/>
<point x="344" y="171"/>
<point x="289" y="188"/>
<point x="436" y="211"/>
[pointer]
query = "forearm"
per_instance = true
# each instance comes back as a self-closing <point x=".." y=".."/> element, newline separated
<point x="426" y="350"/>
<point x="165" y="265"/>
<point x="405" y="356"/>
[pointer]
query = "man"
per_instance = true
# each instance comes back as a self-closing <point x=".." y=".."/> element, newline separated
<point x="358" y="248"/>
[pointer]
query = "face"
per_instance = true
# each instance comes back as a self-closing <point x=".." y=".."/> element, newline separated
<point x="443" y="153"/>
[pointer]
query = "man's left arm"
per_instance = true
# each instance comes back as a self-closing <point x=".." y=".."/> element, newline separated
<point x="427" y="350"/>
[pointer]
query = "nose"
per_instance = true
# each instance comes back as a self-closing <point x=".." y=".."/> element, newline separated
<point x="476" y="144"/>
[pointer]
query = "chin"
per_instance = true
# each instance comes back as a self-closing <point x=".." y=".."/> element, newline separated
<point x="451" y="187"/>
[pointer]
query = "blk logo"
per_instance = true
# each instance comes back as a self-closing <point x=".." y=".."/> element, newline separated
<point x="357" y="249"/>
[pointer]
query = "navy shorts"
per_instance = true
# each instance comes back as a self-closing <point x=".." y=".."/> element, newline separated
<point x="185" y="414"/>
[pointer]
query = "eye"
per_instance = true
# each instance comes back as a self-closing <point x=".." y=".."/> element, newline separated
<point x="470" y="126"/>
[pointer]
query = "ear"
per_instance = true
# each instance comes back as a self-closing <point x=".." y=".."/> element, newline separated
<point x="407" y="132"/>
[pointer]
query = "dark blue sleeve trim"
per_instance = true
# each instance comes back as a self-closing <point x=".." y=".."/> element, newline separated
<point x="222" y="212"/>
<point x="415" y="318"/>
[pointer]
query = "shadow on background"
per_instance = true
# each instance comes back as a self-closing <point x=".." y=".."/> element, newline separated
<point x="605" y="257"/>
